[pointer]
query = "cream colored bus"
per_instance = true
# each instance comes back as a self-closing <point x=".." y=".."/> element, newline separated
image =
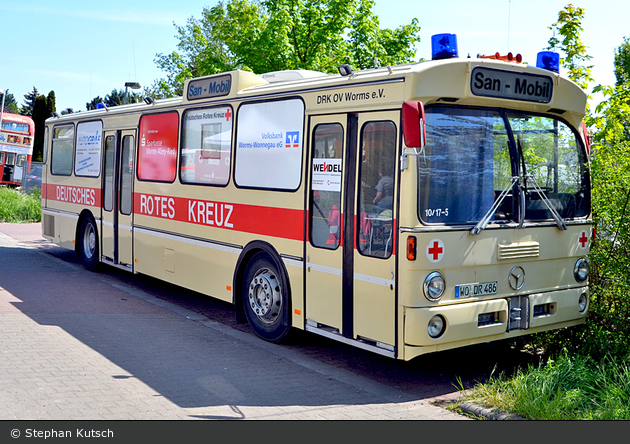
<point x="403" y="210"/>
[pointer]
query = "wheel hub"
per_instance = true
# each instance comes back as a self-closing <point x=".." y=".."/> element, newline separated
<point x="89" y="241"/>
<point x="265" y="297"/>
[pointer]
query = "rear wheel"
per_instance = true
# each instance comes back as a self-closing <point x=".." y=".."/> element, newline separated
<point x="88" y="244"/>
<point x="265" y="298"/>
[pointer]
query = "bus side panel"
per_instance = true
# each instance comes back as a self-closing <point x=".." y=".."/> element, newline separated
<point x="198" y="265"/>
<point x="65" y="202"/>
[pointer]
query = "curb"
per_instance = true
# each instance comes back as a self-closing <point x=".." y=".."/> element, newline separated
<point x="488" y="413"/>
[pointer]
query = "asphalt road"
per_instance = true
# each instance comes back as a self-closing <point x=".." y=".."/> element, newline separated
<point x="109" y="345"/>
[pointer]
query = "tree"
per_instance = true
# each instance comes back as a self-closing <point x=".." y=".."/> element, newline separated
<point x="371" y="45"/>
<point x="569" y="26"/>
<point x="10" y="104"/>
<point x="29" y="102"/>
<point x="117" y="97"/>
<point x="51" y="102"/>
<point x="93" y="103"/>
<point x="610" y="172"/>
<point x="622" y="62"/>
<point x="607" y="330"/>
<point x="39" y="116"/>
<point x="273" y="35"/>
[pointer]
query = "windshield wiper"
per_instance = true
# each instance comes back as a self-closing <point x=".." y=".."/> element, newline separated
<point x="559" y="221"/>
<point x="497" y="203"/>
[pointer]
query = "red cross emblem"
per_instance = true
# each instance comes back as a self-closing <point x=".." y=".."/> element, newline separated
<point x="228" y="114"/>
<point x="435" y="250"/>
<point x="583" y="240"/>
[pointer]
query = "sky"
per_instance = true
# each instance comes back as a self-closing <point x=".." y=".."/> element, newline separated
<point x="83" y="49"/>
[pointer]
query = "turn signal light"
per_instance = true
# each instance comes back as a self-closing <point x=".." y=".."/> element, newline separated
<point x="411" y="248"/>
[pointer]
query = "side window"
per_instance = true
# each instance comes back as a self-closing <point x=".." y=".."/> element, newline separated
<point x="157" y="153"/>
<point x="2" y="154"/>
<point x="205" y="146"/>
<point x="326" y="178"/>
<point x="377" y="170"/>
<point x="269" y="145"/>
<point x="87" y="160"/>
<point x="126" y="175"/>
<point x="108" y="188"/>
<point x="62" y="150"/>
<point x="45" y="153"/>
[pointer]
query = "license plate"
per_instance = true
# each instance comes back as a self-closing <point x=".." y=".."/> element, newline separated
<point x="475" y="290"/>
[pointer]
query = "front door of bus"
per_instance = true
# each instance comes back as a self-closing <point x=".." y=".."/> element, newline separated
<point x="117" y="220"/>
<point x="351" y="248"/>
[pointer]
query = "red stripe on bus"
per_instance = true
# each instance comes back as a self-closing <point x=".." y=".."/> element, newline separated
<point x="266" y="221"/>
<point x="71" y="194"/>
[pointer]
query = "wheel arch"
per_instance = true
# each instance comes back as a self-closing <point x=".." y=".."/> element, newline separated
<point x="77" y="230"/>
<point x="244" y="258"/>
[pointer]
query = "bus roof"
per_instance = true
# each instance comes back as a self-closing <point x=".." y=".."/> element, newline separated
<point x="448" y="80"/>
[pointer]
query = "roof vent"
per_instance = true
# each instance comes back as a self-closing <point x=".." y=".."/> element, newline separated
<point x="291" y="75"/>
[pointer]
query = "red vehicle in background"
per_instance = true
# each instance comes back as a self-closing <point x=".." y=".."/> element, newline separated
<point x="16" y="147"/>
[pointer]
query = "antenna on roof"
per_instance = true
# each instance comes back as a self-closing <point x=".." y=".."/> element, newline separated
<point x="509" y="13"/>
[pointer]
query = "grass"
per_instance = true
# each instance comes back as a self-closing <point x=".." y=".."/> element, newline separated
<point x="19" y="207"/>
<point x="569" y="388"/>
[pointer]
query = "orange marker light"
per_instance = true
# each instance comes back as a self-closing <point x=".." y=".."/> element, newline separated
<point x="298" y="312"/>
<point x="411" y="248"/>
<point x="228" y="288"/>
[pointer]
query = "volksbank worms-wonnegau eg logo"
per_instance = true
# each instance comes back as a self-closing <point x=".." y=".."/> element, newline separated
<point x="293" y="139"/>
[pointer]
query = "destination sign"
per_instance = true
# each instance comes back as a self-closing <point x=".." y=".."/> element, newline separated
<point x="511" y="85"/>
<point x="209" y="87"/>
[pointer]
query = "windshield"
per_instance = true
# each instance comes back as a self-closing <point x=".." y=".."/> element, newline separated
<point x="476" y="158"/>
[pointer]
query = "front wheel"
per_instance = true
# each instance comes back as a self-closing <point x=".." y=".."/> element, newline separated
<point x="88" y="244"/>
<point x="265" y="298"/>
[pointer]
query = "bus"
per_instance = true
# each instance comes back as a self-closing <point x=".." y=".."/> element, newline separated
<point x="402" y="209"/>
<point x="16" y="148"/>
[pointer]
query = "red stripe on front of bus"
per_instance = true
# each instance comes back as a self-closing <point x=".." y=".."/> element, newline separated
<point x="266" y="221"/>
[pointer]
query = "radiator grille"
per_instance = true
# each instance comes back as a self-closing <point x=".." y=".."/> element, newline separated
<point x="518" y="251"/>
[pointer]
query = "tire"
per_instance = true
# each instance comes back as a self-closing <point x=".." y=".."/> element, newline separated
<point x="265" y="298"/>
<point x="88" y="244"/>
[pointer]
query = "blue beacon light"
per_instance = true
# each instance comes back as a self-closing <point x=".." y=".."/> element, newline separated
<point x="443" y="46"/>
<point x="548" y="60"/>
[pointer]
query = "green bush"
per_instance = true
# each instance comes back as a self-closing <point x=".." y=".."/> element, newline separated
<point x="607" y="330"/>
<point x="19" y="207"/>
<point x="568" y="388"/>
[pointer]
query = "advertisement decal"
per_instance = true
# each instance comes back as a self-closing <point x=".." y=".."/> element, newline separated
<point x="89" y="146"/>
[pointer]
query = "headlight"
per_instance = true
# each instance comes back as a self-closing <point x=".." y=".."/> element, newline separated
<point x="434" y="286"/>
<point x="582" y="302"/>
<point x="436" y="326"/>
<point x="581" y="269"/>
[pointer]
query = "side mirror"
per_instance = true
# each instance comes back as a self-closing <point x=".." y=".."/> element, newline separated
<point x="414" y="129"/>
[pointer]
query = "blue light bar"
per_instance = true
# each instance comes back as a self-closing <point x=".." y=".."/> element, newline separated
<point x="443" y="46"/>
<point x="548" y="60"/>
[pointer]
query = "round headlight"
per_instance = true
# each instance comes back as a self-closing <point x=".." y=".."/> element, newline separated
<point x="436" y="326"/>
<point x="581" y="269"/>
<point x="434" y="286"/>
<point x="582" y="302"/>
